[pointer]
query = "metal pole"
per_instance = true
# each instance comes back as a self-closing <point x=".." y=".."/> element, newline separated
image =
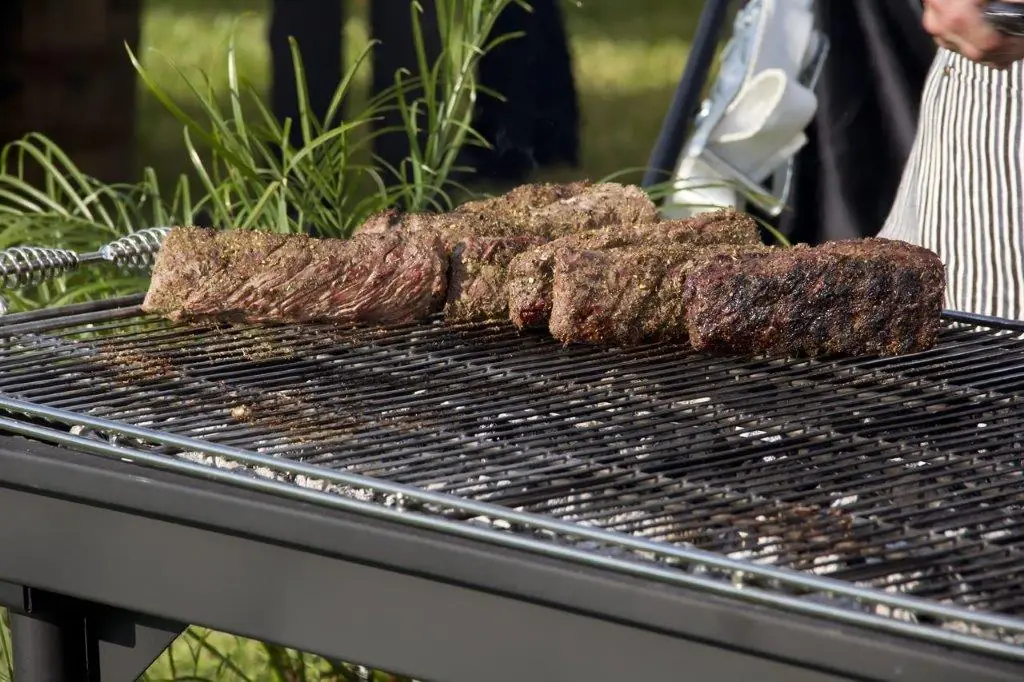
<point x="40" y="651"/>
<point x="52" y="641"/>
<point x="688" y="94"/>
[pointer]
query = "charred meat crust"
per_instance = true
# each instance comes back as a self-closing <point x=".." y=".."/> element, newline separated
<point x="862" y="297"/>
<point x="248" y="276"/>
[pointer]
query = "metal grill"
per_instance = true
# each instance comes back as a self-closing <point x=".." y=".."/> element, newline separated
<point x="885" y="490"/>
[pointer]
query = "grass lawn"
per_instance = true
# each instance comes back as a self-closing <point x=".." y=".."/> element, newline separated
<point x="628" y="57"/>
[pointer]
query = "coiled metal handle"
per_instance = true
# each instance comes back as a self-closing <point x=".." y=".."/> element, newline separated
<point x="137" y="250"/>
<point x="23" y="266"/>
<point x="27" y="265"/>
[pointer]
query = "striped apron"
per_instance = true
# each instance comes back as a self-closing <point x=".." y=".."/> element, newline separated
<point x="962" y="191"/>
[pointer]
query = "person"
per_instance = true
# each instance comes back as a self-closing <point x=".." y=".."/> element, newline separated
<point x="846" y="176"/>
<point x="962" y="189"/>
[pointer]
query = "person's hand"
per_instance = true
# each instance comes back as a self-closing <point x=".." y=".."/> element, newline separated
<point x="958" y="25"/>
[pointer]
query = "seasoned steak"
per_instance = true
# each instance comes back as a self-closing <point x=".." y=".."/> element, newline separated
<point x="382" y="221"/>
<point x="509" y="209"/>
<point x="530" y="275"/>
<point x="451" y="227"/>
<point x="514" y="214"/>
<point x="625" y="296"/>
<point x="519" y="202"/>
<point x="856" y="297"/>
<point x="714" y="227"/>
<point x="243" y="275"/>
<point x="598" y="206"/>
<point x="477" y="275"/>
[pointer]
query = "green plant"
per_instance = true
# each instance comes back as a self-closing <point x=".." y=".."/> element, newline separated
<point x="45" y="200"/>
<point x="253" y="177"/>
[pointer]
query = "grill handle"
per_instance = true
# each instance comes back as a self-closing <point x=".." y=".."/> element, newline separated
<point x="22" y="266"/>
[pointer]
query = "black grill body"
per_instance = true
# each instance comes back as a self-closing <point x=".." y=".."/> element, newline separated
<point x="817" y="519"/>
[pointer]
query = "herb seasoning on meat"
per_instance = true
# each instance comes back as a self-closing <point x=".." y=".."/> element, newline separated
<point x="857" y="297"/>
<point x="244" y="275"/>
<point x="530" y="274"/>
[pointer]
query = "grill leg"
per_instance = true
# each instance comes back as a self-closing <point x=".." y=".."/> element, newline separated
<point x="50" y="649"/>
<point x="59" y="639"/>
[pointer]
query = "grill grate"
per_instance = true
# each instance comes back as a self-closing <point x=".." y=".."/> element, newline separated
<point x="901" y="474"/>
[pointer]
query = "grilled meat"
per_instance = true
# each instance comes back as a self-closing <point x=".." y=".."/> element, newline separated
<point x="598" y="206"/>
<point x="477" y="275"/>
<point x="243" y="275"/>
<point x="531" y="274"/>
<point x="508" y="210"/>
<point x="858" y="297"/>
<point x="519" y="202"/>
<point x="629" y="295"/>
<point x="451" y="227"/>
<point x="522" y="212"/>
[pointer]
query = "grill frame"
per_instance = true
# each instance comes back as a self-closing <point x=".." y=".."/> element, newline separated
<point x="493" y="600"/>
<point x="122" y="310"/>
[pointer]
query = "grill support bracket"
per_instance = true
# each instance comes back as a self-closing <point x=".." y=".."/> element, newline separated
<point x="57" y="638"/>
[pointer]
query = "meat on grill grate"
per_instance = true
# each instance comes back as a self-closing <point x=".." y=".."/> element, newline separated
<point x="244" y="275"/>
<point x="584" y="206"/>
<point x="590" y="261"/>
<point x="626" y="296"/>
<point x="523" y="199"/>
<point x="477" y="277"/>
<point x="483" y="236"/>
<point x="871" y="296"/>
<point x="531" y="274"/>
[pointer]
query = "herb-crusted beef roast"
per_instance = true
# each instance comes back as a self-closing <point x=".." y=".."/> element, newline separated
<point x="520" y="201"/>
<point x="574" y="207"/>
<point x="244" y="275"/>
<point x="598" y="206"/>
<point x="505" y="212"/>
<point x="857" y="297"/>
<point x="530" y="274"/>
<point x="625" y="296"/>
<point x="451" y="227"/>
<point x="477" y="277"/>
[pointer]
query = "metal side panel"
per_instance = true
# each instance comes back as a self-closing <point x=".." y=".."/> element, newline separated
<point x="399" y="598"/>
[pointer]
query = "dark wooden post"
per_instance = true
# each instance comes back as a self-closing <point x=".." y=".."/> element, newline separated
<point x="64" y="73"/>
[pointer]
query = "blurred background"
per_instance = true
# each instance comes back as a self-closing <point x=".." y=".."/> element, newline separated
<point x="73" y="81"/>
